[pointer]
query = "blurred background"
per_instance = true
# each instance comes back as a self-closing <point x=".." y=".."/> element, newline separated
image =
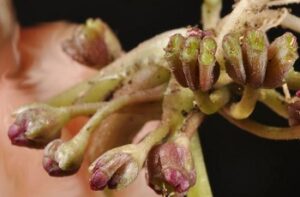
<point x="239" y="164"/>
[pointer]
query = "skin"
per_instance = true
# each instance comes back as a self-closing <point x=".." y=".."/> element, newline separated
<point x="43" y="71"/>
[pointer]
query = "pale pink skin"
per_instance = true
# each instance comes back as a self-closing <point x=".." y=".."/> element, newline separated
<point x="38" y="71"/>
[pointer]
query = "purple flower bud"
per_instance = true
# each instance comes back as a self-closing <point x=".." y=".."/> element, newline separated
<point x="87" y="46"/>
<point x="117" y="168"/>
<point x="50" y="163"/>
<point x="36" y="125"/>
<point x="170" y="167"/>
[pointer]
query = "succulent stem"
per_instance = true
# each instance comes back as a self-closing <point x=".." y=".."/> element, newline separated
<point x="264" y="131"/>
<point x="72" y="152"/>
<point x="246" y="105"/>
<point x="274" y="101"/>
<point x="202" y="187"/>
<point x="211" y="103"/>
<point x="293" y="79"/>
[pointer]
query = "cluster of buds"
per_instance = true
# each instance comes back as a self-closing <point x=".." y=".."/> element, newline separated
<point x="170" y="168"/>
<point x="192" y="59"/>
<point x="251" y="60"/>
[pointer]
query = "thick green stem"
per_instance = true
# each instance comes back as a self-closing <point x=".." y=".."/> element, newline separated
<point x="265" y="131"/>
<point x="293" y="80"/>
<point x="246" y="105"/>
<point x="209" y="104"/>
<point x="202" y="186"/>
<point x="275" y="101"/>
<point x="149" y="53"/>
<point x="92" y="90"/>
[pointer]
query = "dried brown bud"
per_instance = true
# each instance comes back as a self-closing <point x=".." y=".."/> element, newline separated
<point x="282" y="55"/>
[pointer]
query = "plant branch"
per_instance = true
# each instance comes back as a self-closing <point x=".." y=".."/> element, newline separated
<point x="264" y="131"/>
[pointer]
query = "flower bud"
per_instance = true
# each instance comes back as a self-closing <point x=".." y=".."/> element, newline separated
<point x="173" y="49"/>
<point x="254" y="47"/>
<point x="188" y="56"/>
<point x="294" y="113"/>
<point x="36" y="125"/>
<point x="170" y="167"/>
<point x="234" y="57"/>
<point x="87" y="45"/>
<point x="193" y="63"/>
<point x="116" y="168"/>
<point x="208" y="70"/>
<point x="282" y="55"/>
<point x="51" y="162"/>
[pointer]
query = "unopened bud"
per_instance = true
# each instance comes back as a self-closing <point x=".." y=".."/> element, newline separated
<point x="116" y="168"/>
<point x="51" y="163"/>
<point x="208" y="70"/>
<point x="234" y="57"/>
<point x="282" y="55"/>
<point x="36" y="125"/>
<point x="172" y="54"/>
<point x="170" y="167"/>
<point x="87" y="46"/>
<point x="189" y="58"/>
<point x="255" y="52"/>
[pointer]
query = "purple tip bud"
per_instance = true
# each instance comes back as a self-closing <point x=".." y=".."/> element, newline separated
<point x="16" y="134"/>
<point x="36" y="125"/>
<point x="170" y="165"/>
<point x="51" y="165"/>
<point x="98" y="180"/>
<point x="115" y="169"/>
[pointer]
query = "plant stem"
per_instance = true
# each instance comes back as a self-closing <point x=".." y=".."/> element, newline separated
<point x="73" y="150"/>
<point x="274" y="101"/>
<point x="209" y="104"/>
<point x="264" y="131"/>
<point x="202" y="186"/>
<point x="293" y="80"/>
<point x="246" y="105"/>
<point x="149" y="53"/>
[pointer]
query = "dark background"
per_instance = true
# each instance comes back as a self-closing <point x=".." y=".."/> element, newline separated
<point x="239" y="164"/>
